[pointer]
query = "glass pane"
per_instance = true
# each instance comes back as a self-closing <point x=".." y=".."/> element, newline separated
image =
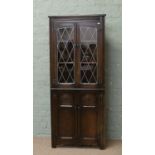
<point x="65" y="54"/>
<point x="88" y="54"/>
<point x="65" y="73"/>
<point x="88" y="73"/>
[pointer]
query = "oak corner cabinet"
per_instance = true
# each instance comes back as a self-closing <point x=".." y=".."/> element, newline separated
<point x="77" y="80"/>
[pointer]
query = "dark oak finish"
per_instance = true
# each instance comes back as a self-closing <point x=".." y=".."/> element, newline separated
<point x="78" y="109"/>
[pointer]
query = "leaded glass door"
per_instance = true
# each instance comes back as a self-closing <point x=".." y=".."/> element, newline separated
<point x="66" y="38"/>
<point x="88" y="53"/>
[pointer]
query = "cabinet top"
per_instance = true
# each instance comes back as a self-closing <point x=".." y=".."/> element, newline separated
<point x="78" y="16"/>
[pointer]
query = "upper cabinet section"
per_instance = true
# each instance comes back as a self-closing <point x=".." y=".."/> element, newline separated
<point x="76" y="51"/>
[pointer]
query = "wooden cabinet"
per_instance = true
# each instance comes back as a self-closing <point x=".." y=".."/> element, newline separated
<point x="77" y="80"/>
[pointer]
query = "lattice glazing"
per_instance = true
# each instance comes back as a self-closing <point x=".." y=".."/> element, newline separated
<point x="65" y="50"/>
<point x="88" y="54"/>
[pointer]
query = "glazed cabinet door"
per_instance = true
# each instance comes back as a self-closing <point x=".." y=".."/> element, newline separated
<point x="89" y="57"/>
<point x="64" y="55"/>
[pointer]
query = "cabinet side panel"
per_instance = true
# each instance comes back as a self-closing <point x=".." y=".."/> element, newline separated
<point x="102" y="122"/>
<point x="54" y="118"/>
<point x="52" y="54"/>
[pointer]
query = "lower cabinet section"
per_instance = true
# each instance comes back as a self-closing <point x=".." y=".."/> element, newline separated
<point x="77" y="118"/>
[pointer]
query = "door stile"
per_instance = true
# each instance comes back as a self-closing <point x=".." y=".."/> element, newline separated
<point x="76" y="56"/>
<point x="78" y="119"/>
<point x="78" y="53"/>
<point x="101" y="61"/>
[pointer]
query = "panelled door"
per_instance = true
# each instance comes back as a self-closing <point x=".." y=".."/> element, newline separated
<point x="88" y="119"/>
<point x="67" y="119"/>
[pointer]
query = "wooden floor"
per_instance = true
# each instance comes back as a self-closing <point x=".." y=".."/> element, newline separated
<point x="42" y="146"/>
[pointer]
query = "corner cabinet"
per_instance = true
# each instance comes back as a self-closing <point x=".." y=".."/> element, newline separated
<point x="77" y="80"/>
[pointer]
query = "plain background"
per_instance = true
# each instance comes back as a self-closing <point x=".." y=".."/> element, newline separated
<point x="113" y="60"/>
<point x="16" y="80"/>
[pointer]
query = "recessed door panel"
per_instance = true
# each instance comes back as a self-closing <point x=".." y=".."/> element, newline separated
<point x="66" y="99"/>
<point x="88" y="123"/>
<point x="66" y="122"/>
<point x="66" y="117"/>
<point x="88" y="119"/>
<point x="89" y="99"/>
